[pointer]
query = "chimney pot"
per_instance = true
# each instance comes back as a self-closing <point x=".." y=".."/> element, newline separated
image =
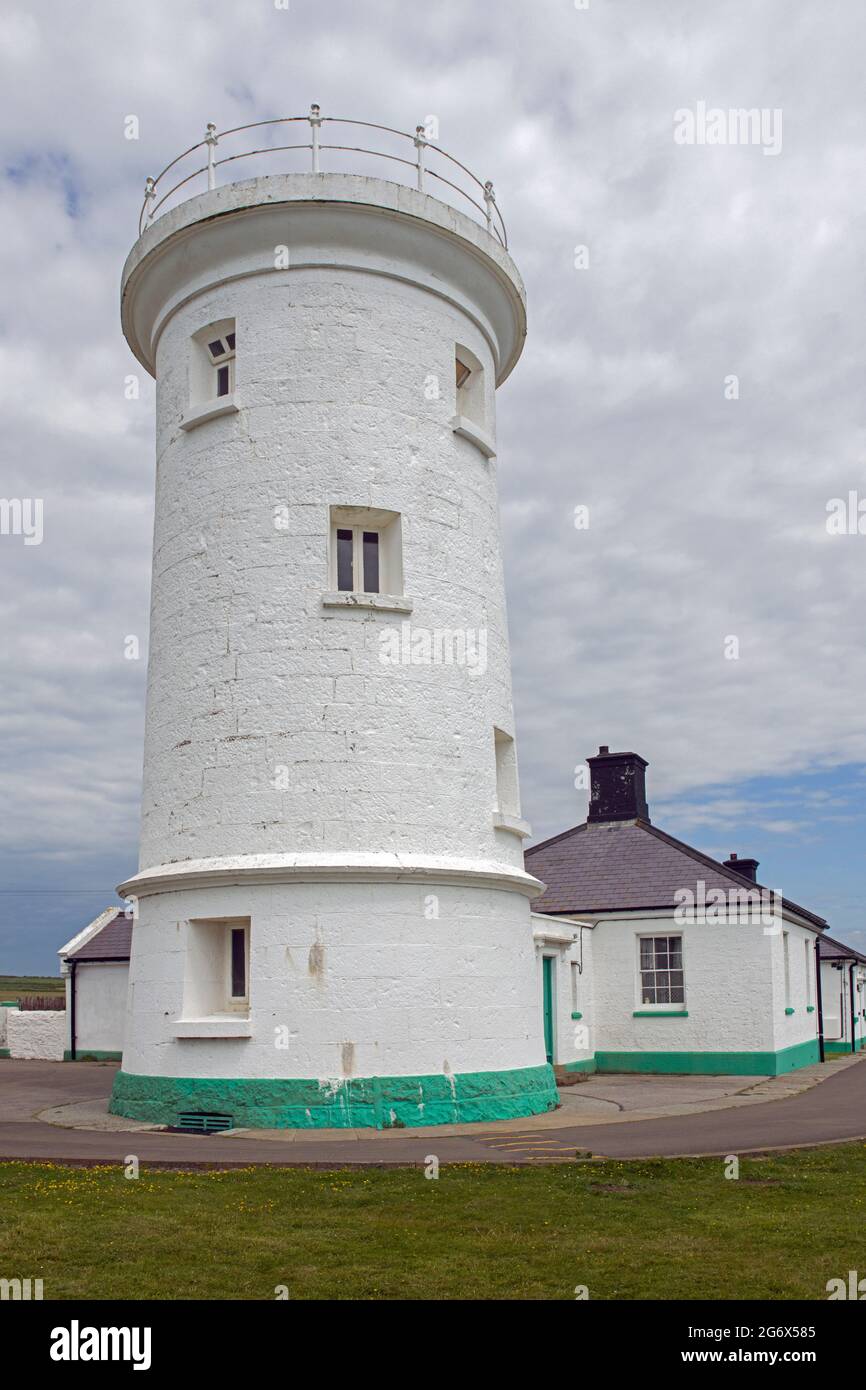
<point x="746" y="868"/>
<point x="617" y="786"/>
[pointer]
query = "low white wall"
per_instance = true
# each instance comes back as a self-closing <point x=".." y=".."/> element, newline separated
<point x="36" y="1034"/>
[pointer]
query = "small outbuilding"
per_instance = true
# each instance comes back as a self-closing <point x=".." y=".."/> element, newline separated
<point x="96" y="966"/>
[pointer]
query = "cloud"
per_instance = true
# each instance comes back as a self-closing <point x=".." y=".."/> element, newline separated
<point x="706" y="514"/>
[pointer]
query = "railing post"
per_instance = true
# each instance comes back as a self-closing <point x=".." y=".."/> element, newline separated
<point x="315" y="123"/>
<point x="210" y="139"/>
<point x="149" y="195"/>
<point x="420" y="145"/>
<point x="489" y="201"/>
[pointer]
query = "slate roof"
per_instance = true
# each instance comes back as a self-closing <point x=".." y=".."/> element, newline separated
<point x="831" y="949"/>
<point x="624" y="866"/>
<point x="113" y="942"/>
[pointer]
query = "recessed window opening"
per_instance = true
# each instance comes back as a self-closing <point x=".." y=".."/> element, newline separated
<point x="507" y="793"/>
<point x="212" y="368"/>
<point x="366" y="548"/>
<point x="470" y="390"/>
<point x="217" y="967"/>
<point x="786" y="966"/>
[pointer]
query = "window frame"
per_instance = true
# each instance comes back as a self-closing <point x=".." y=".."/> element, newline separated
<point x="237" y="1002"/>
<point x="679" y="1005"/>
<point x="359" y="565"/>
<point x="363" y="522"/>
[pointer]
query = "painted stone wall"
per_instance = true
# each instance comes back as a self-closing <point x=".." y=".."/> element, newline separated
<point x="36" y="1034"/>
<point x="273" y="721"/>
<point x="100" y="1015"/>
<point x="347" y="981"/>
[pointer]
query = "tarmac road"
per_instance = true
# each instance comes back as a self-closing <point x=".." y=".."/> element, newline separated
<point x="830" y="1112"/>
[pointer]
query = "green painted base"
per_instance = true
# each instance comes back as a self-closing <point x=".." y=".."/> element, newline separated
<point x="377" y="1102"/>
<point x="838" y="1047"/>
<point x="92" y="1055"/>
<point x="713" y="1063"/>
<point x="4" y="1052"/>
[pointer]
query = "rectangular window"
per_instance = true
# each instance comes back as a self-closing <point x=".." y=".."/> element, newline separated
<point x="371" y="562"/>
<point x="574" y="985"/>
<point x="808" y="947"/>
<point x="365" y="555"/>
<point x="786" y="968"/>
<point x="345" y="567"/>
<point x="239" y="963"/>
<point x="661" y="970"/>
<point x="212" y="363"/>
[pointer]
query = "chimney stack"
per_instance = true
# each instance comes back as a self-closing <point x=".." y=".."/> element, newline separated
<point x="617" y="787"/>
<point x="747" y="867"/>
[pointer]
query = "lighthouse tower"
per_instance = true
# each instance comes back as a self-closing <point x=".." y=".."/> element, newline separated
<point x="332" y="913"/>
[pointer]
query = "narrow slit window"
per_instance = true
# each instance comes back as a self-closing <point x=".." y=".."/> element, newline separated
<point x="371" y="562"/>
<point x="223" y="380"/>
<point x="238" y="963"/>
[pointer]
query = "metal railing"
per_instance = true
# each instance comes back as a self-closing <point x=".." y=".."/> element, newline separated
<point x="427" y="152"/>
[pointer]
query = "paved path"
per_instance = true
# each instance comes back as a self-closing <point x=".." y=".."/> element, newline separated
<point x="832" y="1111"/>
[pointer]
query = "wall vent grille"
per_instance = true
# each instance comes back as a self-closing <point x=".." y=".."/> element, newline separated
<point x="203" y="1122"/>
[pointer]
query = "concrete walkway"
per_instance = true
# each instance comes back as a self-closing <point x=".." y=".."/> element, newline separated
<point x="58" y="1111"/>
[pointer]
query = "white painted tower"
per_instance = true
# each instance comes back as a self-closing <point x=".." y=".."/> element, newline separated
<point x="333" y="921"/>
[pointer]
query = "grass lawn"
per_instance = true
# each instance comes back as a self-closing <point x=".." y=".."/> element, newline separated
<point x="13" y="986"/>
<point x="661" y="1229"/>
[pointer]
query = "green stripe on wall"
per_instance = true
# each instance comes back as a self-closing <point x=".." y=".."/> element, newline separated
<point x="91" y="1055"/>
<point x="376" y="1102"/>
<point x="713" y="1063"/>
<point x="587" y="1064"/>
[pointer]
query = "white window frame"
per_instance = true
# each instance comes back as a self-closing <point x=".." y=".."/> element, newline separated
<point x="388" y="527"/>
<point x="786" y="967"/>
<point x="358" y="533"/>
<point x="678" y="1004"/>
<point x="237" y="1002"/>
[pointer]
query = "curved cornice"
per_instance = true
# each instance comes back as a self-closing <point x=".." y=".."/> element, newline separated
<point x="248" y="869"/>
<point x="324" y="221"/>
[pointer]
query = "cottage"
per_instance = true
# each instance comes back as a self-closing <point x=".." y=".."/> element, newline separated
<point x="653" y="957"/>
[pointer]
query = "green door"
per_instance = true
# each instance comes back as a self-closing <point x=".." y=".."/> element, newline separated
<point x="547" y="976"/>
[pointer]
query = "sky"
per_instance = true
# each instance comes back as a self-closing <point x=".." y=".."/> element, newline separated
<point x="693" y="379"/>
